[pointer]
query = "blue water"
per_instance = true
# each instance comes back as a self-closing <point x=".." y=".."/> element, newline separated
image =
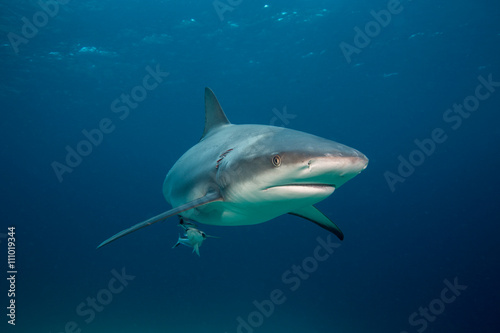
<point x="406" y="239"/>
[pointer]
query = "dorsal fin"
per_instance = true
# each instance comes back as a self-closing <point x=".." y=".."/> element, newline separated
<point x="214" y="115"/>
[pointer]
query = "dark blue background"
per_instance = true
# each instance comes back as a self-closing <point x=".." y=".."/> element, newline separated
<point x="441" y="223"/>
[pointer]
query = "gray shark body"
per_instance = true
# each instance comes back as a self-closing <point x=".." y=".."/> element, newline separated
<point x="249" y="174"/>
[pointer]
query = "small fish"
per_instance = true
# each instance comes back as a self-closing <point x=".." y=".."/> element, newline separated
<point x="193" y="237"/>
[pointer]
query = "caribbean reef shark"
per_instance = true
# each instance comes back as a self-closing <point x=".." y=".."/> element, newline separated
<point x="248" y="174"/>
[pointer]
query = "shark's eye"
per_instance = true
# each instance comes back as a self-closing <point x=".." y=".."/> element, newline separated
<point x="276" y="160"/>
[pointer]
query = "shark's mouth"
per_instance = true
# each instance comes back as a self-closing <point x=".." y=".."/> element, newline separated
<point x="300" y="191"/>
<point x="305" y="186"/>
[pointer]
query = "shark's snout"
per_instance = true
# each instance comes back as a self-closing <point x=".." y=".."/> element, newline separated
<point x="337" y="164"/>
<point x="358" y="161"/>
<point x="335" y="167"/>
<point x="337" y="155"/>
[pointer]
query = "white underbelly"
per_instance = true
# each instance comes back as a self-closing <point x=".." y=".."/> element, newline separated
<point x="229" y="214"/>
<point x="235" y="214"/>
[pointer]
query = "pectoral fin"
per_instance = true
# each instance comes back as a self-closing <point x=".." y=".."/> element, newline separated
<point x="312" y="214"/>
<point x="208" y="198"/>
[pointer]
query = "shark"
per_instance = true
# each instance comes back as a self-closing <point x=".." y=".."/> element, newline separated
<point x="249" y="174"/>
